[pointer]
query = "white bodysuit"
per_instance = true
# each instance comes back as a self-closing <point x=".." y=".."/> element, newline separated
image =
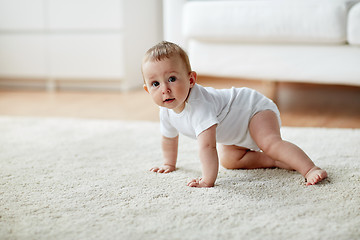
<point x="231" y="109"/>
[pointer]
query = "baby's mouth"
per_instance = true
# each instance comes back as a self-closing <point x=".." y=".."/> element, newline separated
<point x="169" y="100"/>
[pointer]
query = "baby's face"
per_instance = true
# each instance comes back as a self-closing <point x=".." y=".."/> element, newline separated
<point x="168" y="82"/>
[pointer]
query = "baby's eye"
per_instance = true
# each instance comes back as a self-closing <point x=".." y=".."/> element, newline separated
<point x="172" y="79"/>
<point x="155" y="84"/>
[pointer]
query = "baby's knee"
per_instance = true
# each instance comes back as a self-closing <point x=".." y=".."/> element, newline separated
<point x="228" y="163"/>
<point x="230" y="156"/>
<point x="225" y="157"/>
<point x="270" y="144"/>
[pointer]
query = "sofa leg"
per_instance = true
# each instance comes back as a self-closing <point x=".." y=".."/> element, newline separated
<point x="271" y="88"/>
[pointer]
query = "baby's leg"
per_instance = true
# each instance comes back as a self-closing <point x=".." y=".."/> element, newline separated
<point x="265" y="130"/>
<point x="234" y="157"/>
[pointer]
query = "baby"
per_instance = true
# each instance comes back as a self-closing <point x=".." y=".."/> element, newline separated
<point x="243" y="121"/>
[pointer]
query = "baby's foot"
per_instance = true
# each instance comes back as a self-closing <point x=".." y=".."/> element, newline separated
<point x="315" y="175"/>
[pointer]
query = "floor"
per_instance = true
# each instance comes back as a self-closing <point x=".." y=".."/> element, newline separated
<point x="304" y="105"/>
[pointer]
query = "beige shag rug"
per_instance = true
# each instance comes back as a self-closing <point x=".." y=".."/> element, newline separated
<point x="88" y="179"/>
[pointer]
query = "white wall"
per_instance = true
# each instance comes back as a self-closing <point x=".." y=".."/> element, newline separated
<point x="59" y="40"/>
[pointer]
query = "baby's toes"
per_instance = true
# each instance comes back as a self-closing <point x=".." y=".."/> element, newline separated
<point x="315" y="175"/>
<point x="309" y="182"/>
<point x="316" y="179"/>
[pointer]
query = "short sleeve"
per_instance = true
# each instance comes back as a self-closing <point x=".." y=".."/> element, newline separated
<point x="166" y="129"/>
<point x="203" y="117"/>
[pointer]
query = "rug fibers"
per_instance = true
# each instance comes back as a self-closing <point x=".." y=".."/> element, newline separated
<point x="89" y="179"/>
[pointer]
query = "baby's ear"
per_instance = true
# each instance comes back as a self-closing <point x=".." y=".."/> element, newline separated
<point x="145" y="88"/>
<point x="192" y="79"/>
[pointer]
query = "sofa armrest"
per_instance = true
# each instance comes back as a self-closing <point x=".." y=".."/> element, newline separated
<point x="354" y="25"/>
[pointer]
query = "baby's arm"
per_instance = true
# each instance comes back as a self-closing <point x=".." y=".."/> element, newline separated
<point x="208" y="157"/>
<point x="170" y="150"/>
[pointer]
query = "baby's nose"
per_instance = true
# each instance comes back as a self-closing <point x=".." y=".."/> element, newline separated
<point x="165" y="89"/>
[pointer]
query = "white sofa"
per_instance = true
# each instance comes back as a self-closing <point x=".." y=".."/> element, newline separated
<point x="314" y="41"/>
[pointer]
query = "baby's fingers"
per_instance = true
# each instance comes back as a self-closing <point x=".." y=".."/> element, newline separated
<point x="160" y="170"/>
<point x="163" y="170"/>
<point x="193" y="183"/>
<point x="198" y="183"/>
<point x="154" y="169"/>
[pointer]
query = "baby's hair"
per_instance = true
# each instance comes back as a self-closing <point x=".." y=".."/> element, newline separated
<point x="164" y="50"/>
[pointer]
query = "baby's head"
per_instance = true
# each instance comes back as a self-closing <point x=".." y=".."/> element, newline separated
<point x="165" y="50"/>
<point x="167" y="75"/>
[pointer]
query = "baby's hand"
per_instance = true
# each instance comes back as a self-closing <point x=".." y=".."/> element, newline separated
<point x="163" y="169"/>
<point x="199" y="182"/>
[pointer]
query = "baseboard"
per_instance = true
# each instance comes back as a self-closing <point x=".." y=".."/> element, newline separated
<point x="65" y="84"/>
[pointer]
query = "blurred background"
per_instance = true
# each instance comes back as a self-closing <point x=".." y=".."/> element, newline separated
<point x="82" y="58"/>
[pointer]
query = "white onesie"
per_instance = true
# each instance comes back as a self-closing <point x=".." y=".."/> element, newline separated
<point x="231" y="109"/>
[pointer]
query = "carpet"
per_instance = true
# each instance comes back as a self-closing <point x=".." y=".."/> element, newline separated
<point x="89" y="179"/>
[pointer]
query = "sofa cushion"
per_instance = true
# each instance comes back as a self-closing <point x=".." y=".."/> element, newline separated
<point x="277" y="62"/>
<point x="354" y="25"/>
<point x="304" y="21"/>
